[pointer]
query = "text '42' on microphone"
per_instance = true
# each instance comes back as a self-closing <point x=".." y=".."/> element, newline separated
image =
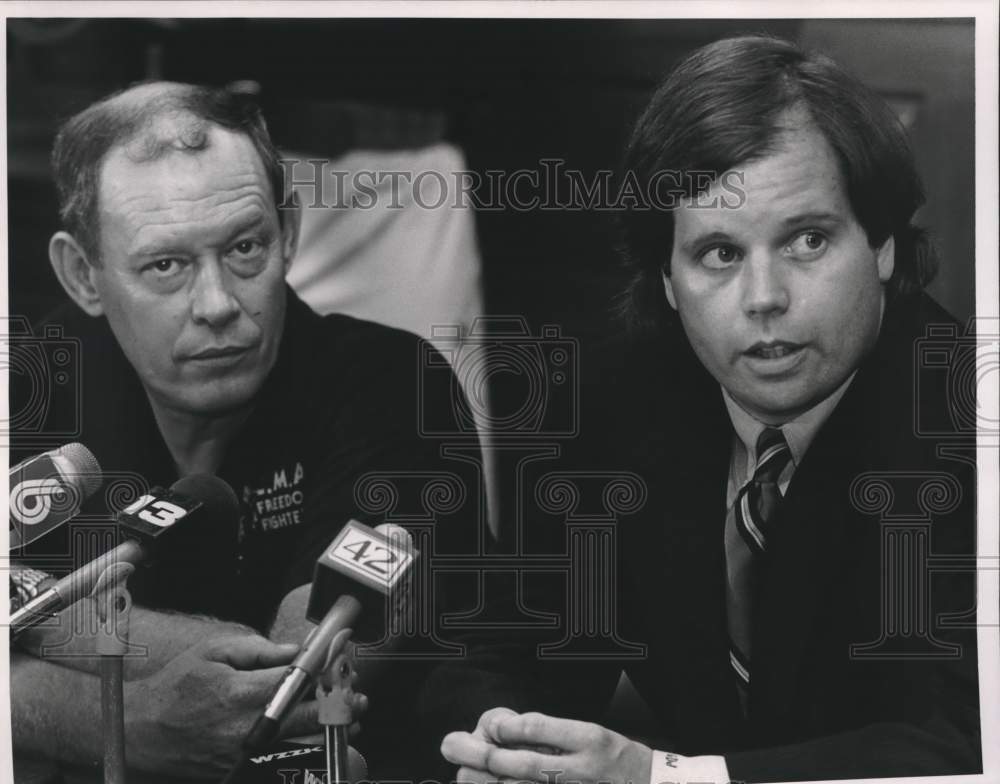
<point x="362" y="570"/>
<point x="142" y="523"/>
<point x="47" y="490"/>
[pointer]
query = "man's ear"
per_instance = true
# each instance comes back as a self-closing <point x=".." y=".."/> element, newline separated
<point x="886" y="259"/>
<point x="75" y="272"/>
<point x="668" y="287"/>
<point x="291" y="219"/>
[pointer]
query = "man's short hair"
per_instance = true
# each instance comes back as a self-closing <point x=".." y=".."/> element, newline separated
<point x="722" y="106"/>
<point x="151" y="119"/>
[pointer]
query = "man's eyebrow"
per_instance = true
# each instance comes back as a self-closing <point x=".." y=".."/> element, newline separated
<point x="812" y="217"/>
<point x="173" y="246"/>
<point x="244" y="225"/>
<point x="153" y="248"/>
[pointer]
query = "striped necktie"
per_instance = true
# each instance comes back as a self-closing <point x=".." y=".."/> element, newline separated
<point x="746" y="544"/>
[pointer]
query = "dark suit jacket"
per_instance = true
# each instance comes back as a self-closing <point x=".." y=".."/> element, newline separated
<point x="839" y="576"/>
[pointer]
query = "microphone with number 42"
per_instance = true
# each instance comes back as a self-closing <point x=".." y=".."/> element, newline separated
<point x="363" y="570"/>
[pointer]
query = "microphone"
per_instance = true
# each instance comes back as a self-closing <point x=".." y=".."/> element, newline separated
<point x="26" y="583"/>
<point x="362" y="569"/>
<point x="47" y="490"/>
<point x="143" y="522"/>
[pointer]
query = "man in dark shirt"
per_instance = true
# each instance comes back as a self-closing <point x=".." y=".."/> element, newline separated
<point x="776" y="577"/>
<point x="197" y="358"/>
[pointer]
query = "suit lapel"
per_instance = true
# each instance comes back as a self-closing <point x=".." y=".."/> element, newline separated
<point x="802" y="548"/>
<point x="684" y="594"/>
<point x="806" y="547"/>
<point x="682" y="580"/>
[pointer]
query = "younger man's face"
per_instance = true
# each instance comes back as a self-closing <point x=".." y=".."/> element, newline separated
<point x="191" y="279"/>
<point x="782" y="296"/>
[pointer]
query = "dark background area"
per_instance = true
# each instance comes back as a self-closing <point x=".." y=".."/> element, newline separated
<point x="508" y="92"/>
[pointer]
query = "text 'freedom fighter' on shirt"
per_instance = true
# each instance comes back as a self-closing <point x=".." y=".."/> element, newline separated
<point x="198" y="358"/>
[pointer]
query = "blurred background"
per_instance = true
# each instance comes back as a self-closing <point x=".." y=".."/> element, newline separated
<point x="476" y="94"/>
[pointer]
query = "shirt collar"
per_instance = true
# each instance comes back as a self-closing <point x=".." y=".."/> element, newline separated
<point x="798" y="432"/>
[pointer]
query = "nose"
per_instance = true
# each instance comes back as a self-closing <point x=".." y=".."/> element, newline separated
<point x="765" y="290"/>
<point x="212" y="302"/>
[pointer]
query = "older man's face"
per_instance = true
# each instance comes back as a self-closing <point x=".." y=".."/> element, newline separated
<point x="781" y="297"/>
<point x="192" y="273"/>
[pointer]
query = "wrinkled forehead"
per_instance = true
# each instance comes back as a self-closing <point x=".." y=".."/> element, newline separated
<point x="160" y="168"/>
<point x="183" y="193"/>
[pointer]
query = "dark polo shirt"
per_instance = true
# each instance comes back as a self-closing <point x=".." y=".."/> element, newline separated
<point x="343" y="403"/>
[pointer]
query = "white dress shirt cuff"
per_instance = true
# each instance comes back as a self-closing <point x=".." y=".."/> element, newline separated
<point x="670" y="768"/>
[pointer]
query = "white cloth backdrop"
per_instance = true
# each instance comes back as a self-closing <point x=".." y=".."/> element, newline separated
<point x="373" y="247"/>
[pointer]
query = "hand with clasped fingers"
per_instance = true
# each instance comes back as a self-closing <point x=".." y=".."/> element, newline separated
<point x="508" y="746"/>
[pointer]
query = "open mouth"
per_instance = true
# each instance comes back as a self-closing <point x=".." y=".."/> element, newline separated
<point x="774" y="350"/>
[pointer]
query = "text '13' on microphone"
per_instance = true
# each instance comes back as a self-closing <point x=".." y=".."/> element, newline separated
<point x="142" y="523"/>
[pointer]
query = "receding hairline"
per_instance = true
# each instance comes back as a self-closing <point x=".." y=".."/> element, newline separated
<point x="165" y="126"/>
<point x="148" y="119"/>
<point x="214" y="137"/>
<point x="119" y="155"/>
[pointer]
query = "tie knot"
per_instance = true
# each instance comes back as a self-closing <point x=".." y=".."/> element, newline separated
<point x="773" y="455"/>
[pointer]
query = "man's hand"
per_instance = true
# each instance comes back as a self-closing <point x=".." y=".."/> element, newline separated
<point x="191" y="717"/>
<point x="70" y="640"/>
<point x="536" y="747"/>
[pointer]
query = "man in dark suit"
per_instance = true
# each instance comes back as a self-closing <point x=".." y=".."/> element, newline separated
<point x="777" y="574"/>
